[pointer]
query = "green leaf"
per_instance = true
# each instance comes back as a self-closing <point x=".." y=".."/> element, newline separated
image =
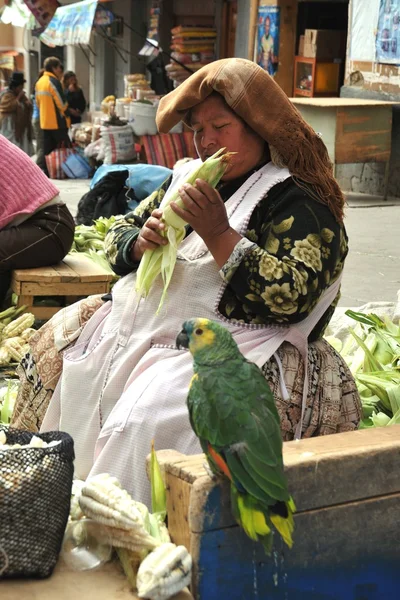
<point x="253" y="298"/>
<point x="283" y="226"/>
<point x="229" y="308"/>
<point x="272" y="245"/>
<point x="158" y="491"/>
<point x="314" y="240"/>
<point x="327" y="235"/>
<point x="380" y="419"/>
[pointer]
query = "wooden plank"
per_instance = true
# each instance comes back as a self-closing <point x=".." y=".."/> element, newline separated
<point x="66" y="273"/>
<point x="287" y="43"/>
<point x="363" y="134"/>
<point x="40" y="274"/>
<point x="87" y="269"/>
<point x="178" y="500"/>
<point x="340" y="102"/>
<point x="25" y="300"/>
<point x="43" y="288"/>
<point x="347" y="552"/>
<point x="321" y="471"/>
<point x="15" y="285"/>
<point x="322" y="120"/>
<point x="107" y="583"/>
<point x="252" y="28"/>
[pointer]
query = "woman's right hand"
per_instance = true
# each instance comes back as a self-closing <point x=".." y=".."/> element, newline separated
<point x="150" y="236"/>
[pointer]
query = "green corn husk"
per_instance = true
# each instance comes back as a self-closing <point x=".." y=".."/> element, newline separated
<point x="158" y="491"/>
<point x="162" y="259"/>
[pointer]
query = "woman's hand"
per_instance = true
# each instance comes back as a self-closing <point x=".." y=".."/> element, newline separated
<point x="204" y="210"/>
<point x="206" y="213"/>
<point x="150" y="236"/>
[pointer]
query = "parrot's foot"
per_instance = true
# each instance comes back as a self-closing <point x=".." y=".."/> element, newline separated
<point x="212" y="475"/>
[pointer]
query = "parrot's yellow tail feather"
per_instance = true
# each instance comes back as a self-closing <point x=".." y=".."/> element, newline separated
<point x="285" y="526"/>
<point x="250" y="518"/>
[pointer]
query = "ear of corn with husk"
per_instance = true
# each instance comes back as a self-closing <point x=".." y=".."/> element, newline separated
<point x="162" y="260"/>
<point x="373" y="355"/>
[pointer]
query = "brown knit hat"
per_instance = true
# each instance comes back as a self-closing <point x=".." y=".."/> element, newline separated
<point x="260" y="102"/>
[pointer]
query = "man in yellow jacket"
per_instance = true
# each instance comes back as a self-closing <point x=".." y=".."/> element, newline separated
<point x="53" y="107"/>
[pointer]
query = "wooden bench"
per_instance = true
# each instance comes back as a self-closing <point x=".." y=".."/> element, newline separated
<point x="74" y="277"/>
<point x="346" y="541"/>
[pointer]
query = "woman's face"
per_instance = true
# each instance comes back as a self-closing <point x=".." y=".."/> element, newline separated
<point x="215" y="126"/>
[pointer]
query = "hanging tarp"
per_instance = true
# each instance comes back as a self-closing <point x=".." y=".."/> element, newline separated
<point x="71" y="24"/>
<point x="16" y="14"/>
<point x="365" y="15"/>
<point x="42" y="10"/>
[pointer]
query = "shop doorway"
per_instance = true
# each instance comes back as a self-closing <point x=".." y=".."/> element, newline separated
<point x="228" y="29"/>
<point x="328" y="68"/>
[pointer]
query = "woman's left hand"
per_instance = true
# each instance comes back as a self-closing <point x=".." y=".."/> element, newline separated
<point x="204" y="210"/>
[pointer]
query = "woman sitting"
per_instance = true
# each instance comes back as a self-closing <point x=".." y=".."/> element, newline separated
<point x="263" y="254"/>
<point x="36" y="227"/>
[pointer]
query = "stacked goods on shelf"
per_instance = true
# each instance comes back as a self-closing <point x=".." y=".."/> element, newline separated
<point x="194" y="46"/>
<point x="137" y="87"/>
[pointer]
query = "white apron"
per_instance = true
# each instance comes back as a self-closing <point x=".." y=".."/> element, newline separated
<point x="125" y="383"/>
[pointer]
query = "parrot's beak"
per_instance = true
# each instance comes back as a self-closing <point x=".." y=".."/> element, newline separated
<point x="182" y="341"/>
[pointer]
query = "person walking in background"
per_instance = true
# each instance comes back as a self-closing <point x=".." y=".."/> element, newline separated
<point x="40" y="161"/>
<point x="16" y="114"/>
<point x="75" y="97"/>
<point x="53" y="107"/>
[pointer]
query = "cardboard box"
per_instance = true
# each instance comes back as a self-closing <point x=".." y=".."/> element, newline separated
<point x="301" y="46"/>
<point x="324" y="43"/>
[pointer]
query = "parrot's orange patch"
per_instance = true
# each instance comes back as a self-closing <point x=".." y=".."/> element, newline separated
<point x="219" y="461"/>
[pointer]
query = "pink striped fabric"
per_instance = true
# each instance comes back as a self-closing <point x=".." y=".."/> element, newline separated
<point x="166" y="149"/>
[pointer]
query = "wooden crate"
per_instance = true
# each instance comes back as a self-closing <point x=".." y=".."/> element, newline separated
<point x="72" y="278"/>
<point x="106" y="583"/>
<point x="347" y="526"/>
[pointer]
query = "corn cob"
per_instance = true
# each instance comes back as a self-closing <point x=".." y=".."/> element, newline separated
<point x="103" y="500"/>
<point x="4" y="356"/>
<point x="18" y="325"/>
<point x="164" y="572"/>
<point x="162" y="259"/>
<point x="14" y="348"/>
<point x="28" y="333"/>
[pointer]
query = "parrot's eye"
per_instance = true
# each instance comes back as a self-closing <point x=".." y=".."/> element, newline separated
<point x="199" y="332"/>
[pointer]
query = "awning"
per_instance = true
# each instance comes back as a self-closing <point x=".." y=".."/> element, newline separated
<point x="16" y="14"/>
<point x="42" y="10"/>
<point x="72" y="24"/>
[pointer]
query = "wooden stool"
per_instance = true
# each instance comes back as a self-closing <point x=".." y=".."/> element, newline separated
<point x="72" y="278"/>
<point x="347" y="491"/>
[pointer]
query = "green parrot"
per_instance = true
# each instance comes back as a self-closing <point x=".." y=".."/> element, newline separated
<point x="232" y="411"/>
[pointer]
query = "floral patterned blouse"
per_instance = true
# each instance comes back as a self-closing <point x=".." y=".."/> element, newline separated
<point x="292" y="251"/>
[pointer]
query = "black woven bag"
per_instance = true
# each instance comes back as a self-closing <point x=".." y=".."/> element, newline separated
<point x="35" y="493"/>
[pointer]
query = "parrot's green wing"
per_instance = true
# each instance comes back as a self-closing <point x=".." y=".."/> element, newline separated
<point x="233" y="412"/>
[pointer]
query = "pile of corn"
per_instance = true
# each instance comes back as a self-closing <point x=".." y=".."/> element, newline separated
<point x="15" y="333"/>
<point x="372" y="352"/>
<point x="89" y="240"/>
<point x="154" y="566"/>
